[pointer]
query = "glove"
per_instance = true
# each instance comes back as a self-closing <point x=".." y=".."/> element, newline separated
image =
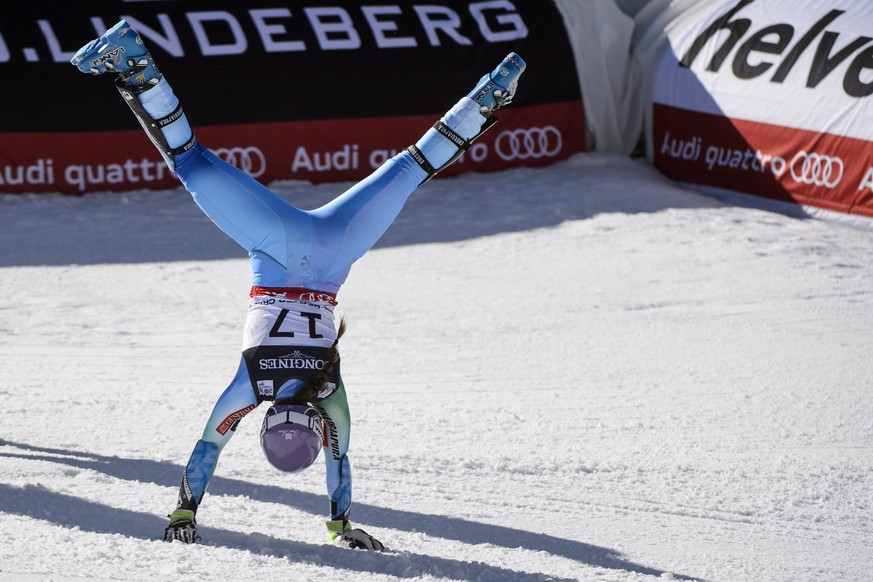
<point x="359" y="539"/>
<point x="342" y="534"/>
<point x="182" y="527"/>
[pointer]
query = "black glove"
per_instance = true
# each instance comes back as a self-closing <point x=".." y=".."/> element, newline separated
<point x="182" y="527"/>
<point x="341" y="533"/>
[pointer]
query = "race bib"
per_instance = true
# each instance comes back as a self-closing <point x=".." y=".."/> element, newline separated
<point x="289" y="339"/>
<point x="271" y="367"/>
<point x="288" y="322"/>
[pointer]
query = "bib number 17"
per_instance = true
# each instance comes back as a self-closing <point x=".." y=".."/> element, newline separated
<point x="275" y="331"/>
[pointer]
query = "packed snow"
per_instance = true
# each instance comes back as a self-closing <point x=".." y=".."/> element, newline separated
<point x="582" y="372"/>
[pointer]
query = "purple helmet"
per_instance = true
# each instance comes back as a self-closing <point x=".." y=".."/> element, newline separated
<point x="292" y="436"/>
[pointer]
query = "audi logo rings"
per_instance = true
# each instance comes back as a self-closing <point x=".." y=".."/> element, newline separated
<point x="249" y="159"/>
<point x="816" y="169"/>
<point x="530" y="143"/>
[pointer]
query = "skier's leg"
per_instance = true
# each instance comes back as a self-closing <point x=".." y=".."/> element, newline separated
<point x="247" y="211"/>
<point x="234" y="403"/>
<point x="360" y="216"/>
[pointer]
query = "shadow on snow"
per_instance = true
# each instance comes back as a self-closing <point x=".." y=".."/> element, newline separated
<point x="41" y="503"/>
<point x="166" y="225"/>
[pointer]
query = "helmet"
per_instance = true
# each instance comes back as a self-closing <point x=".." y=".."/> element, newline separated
<point x="292" y="436"/>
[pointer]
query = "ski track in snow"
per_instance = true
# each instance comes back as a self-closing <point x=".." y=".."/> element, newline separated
<point x="581" y="372"/>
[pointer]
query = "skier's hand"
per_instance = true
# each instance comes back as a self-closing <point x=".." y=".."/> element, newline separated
<point x="359" y="539"/>
<point x="342" y="534"/>
<point x="184" y="531"/>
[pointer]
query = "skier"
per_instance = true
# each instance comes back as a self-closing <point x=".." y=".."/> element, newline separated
<point x="299" y="260"/>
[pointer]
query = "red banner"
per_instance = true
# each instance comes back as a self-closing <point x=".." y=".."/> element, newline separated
<point x="318" y="151"/>
<point x="783" y="163"/>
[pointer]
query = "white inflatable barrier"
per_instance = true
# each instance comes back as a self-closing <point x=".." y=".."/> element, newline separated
<point x="766" y="98"/>
<point x="601" y="35"/>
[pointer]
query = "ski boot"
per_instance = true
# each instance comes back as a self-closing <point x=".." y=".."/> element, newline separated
<point x="497" y="89"/>
<point x="182" y="527"/>
<point x="453" y="135"/>
<point x="120" y="50"/>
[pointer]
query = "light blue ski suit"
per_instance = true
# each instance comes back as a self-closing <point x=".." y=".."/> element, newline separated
<point x="290" y="248"/>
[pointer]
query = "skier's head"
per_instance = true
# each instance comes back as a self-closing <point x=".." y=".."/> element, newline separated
<point x="292" y="436"/>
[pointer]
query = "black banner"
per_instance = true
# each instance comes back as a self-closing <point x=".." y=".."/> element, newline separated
<point x="268" y="60"/>
<point x="301" y="89"/>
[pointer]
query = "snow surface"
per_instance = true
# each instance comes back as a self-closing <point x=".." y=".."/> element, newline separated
<point x="574" y="373"/>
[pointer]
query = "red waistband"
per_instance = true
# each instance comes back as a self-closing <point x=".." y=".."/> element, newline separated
<point x="295" y="293"/>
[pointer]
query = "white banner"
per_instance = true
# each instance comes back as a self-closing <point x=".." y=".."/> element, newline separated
<point x="806" y="64"/>
<point x="768" y="97"/>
